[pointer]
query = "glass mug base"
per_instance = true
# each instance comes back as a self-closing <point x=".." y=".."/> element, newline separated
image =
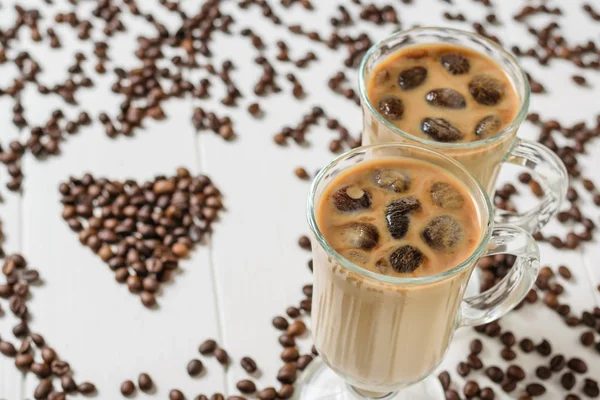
<point x="319" y="382"/>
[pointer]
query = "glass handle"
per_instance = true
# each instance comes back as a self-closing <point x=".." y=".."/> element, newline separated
<point x="510" y="291"/>
<point x="551" y="171"/>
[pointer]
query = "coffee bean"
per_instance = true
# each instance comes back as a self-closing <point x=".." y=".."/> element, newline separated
<point x="43" y="389"/>
<point x="544" y="348"/>
<point x="221" y="356"/>
<point x="526" y="345"/>
<point x="195" y="367"/>
<point x="280" y="323"/>
<point x="217" y="396"/>
<point x="304" y="242"/>
<point x="285" y="392"/>
<point x="293" y="312"/>
<point x="587" y="338"/>
<point x="567" y="380"/>
<point x="176" y="394"/>
<point x="557" y="363"/>
<point x="508" y="354"/>
<point x="452" y="394"/>
<point x="207" y="347"/>
<point x="515" y="372"/>
<point x="145" y="382"/>
<point x="590" y="388"/>
<point x="564" y="272"/>
<point x="68" y="384"/>
<point x="463" y="369"/>
<point x="495" y="374"/>
<point x="508" y="385"/>
<point x="444" y="378"/>
<point x="535" y="389"/>
<point x="543" y="372"/>
<point x="267" y="394"/>
<point x="249" y="365"/>
<point x="508" y="339"/>
<point x="289" y="354"/>
<point x="296" y="328"/>
<point x="127" y="388"/>
<point x="471" y="389"/>
<point x="287" y="374"/>
<point x="476" y="346"/>
<point x="487" y="394"/>
<point x="246" y="386"/>
<point x="577" y="365"/>
<point x="86" y="388"/>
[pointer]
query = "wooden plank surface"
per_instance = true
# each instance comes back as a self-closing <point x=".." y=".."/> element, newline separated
<point x="252" y="268"/>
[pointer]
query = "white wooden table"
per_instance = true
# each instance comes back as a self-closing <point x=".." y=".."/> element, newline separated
<point x="252" y="268"/>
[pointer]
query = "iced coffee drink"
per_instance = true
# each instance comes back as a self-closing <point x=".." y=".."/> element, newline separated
<point x="398" y="218"/>
<point x="447" y="94"/>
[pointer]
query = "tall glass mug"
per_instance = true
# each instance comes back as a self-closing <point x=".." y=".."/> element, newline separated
<point x="484" y="157"/>
<point x="380" y="337"/>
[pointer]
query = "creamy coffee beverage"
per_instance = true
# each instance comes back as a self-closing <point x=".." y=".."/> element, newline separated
<point x="445" y="94"/>
<point x="394" y="217"/>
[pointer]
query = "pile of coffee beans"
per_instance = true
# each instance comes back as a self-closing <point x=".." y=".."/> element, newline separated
<point x="33" y="356"/>
<point x="141" y="230"/>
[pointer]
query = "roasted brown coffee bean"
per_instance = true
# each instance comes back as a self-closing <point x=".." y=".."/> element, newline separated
<point x="296" y="328"/>
<point x="145" y="382"/>
<point x="127" y="388"/>
<point x="286" y="391"/>
<point x="487" y="394"/>
<point x="543" y="372"/>
<point x="304" y="242"/>
<point x="508" y="354"/>
<point x="195" y="367"/>
<point x="280" y="323"/>
<point x="43" y="389"/>
<point x="248" y="364"/>
<point x="176" y="394"/>
<point x="287" y="374"/>
<point x="535" y="389"/>
<point x="471" y="389"/>
<point x="515" y="372"/>
<point x="463" y="369"/>
<point x="587" y="338"/>
<point x="567" y="380"/>
<point x="508" y="339"/>
<point x="86" y="388"/>
<point x="290" y="354"/>
<point x="246" y="386"/>
<point x="474" y="362"/>
<point x="476" y="346"/>
<point x="444" y="378"/>
<point x="495" y="374"/>
<point x="557" y="363"/>
<point x="207" y="347"/>
<point x="221" y="356"/>
<point x="68" y="384"/>
<point x="267" y="394"/>
<point x="452" y="394"/>
<point x="544" y="348"/>
<point x="303" y="361"/>
<point x="577" y="365"/>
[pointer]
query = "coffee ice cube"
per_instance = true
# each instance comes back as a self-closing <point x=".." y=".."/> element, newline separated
<point x="486" y="90"/>
<point x="441" y="130"/>
<point x="360" y="235"/>
<point x="446" y="98"/>
<point x="392" y="179"/>
<point x="455" y="63"/>
<point x="397" y="215"/>
<point x="412" y="77"/>
<point x="446" y="196"/>
<point x="391" y="108"/>
<point x="442" y="233"/>
<point x="488" y="126"/>
<point x="351" y="198"/>
<point x="406" y="259"/>
<point x="356" y="256"/>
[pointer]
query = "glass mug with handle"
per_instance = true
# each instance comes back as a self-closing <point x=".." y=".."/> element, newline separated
<point x="482" y="157"/>
<point x="380" y="337"/>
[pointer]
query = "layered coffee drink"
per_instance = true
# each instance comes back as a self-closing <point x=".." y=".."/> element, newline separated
<point x="445" y="94"/>
<point x="394" y="217"/>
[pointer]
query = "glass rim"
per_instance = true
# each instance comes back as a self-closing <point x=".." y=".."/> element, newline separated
<point x="512" y="127"/>
<point x="485" y="235"/>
